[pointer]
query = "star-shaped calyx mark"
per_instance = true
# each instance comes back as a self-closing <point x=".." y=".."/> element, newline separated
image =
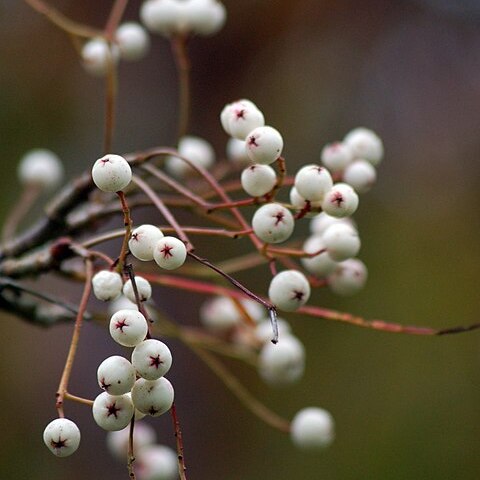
<point x="153" y="410"/>
<point x="120" y="324"/>
<point x="155" y="361"/>
<point x="57" y="445"/>
<point x="112" y="409"/>
<point x="298" y="295"/>
<point x="105" y="161"/>
<point x="105" y="385"/>
<point x="240" y="113"/>
<point x="167" y="251"/>
<point x="337" y="198"/>
<point x="279" y="216"/>
<point x="252" y="140"/>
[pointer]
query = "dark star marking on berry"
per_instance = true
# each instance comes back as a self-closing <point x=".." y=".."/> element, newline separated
<point x="338" y="199"/>
<point x="155" y="361"/>
<point x="135" y="236"/>
<point x="279" y="218"/>
<point x="298" y="295"/>
<point x="240" y="113"/>
<point x="252" y="141"/>
<point x="120" y="324"/>
<point x="105" y="160"/>
<point x="166" y="250"/>
<point x="104" y="385"/>
<point x="57" y="445"/>
<point x="153" y="410"/>
<point x="113" y="409"/>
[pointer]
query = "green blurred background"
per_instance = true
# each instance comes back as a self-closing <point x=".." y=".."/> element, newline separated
<point x="405" y="407"/>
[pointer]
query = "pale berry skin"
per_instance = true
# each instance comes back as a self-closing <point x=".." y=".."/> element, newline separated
<point x="156" y="462"/>
<point x="235" y="151"/>
<point x="107" y="285"/>
<point x="160" y="16"/>
<point x="322" y="264"/>
<point x="289" y="290"/>
<point x="321" y="222"/>
<point x="97" y="55"/>
<point x="348" y="278"/>
<point x="257" y="180"/>
<point x="263" y="331"/>
<point x="361" y="175"/>
<point x="170" y="253"/>
<point x="144" y="289"/>
<point x="62" y="437"/>
<point x="133" y="41"/>
<point x="40" y="168"/>
<point x="300" y="203"/>
<point x="111" y="173"/>
<point x="143" y="436"/>
<point x="112" y="412"/>
<point x="153" y="397"/>
<point x="264" y="145"/>
<point x="240" y="118"/>
<point x="282" y="364"/>
<point x="340" y="201"/>
<point x="312" y="428"/>
<point x="128" y="327"/>
<point x="273" y="223"/>
<point x="204" y="17"/>
<point x="116" y="375"/>
<point x="336" y="156"/>
<point x="197" y="150"/>
<point x="143" y="241"/>
<point x="313" y="182"/>
<point x="341" y="241"/>
<point x="365" y="144"/>
<point x="151" y="359"/>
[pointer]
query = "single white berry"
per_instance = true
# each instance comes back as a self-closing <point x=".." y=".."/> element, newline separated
<point x="116" y="375"/>
<point x="153" y="397"/>
<point x="144" y="289"/>
<point x="143" y="241"/>
<point x="321" y="264"/>
<point x="312" y="428"/>
<point x="257" y="180"/>
<point x="349" y="277"/>
<point x="121" y="303"/>
<point x="117" y="441"/>
<point x="62" y="437"/>
<point x="300" y="203"/>
<point x="283" y="363"/>
<point x="111" y="173"/>
<point x="273" y="223"/>
<point x="107" y="285"/>
<point x="161" y="16"/>
<point x="341" y="241"/>
<point x="97" y="55"/>
<point x="157" y="462"/>
<point x="336" y="156"/>
<point x="365" y="144"/>
<point x="263" y="331"/>
<point x="340" y="201"/>
<point x="151" y="359"/>
<point x="133" y="41"/>
<point x="361" y="175"/>
<point x="313" y="182"/>
<point x="236" y="152"/>
<point x="40" y="167"/>
<point x="289" y="290"/>
<point x="112" y="412"/>
<point x="197" y="150"/>
<point x="240" y="118"/>
<point x="321" y="222"/>
<point x="128" y="327"/>
<point x="264" y="145"/>
<point x="138" y="414"/>
<point x="170" y="253"/>
<point x="204" y="17"/>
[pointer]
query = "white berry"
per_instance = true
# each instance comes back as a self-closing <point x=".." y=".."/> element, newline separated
<point x="336" y="156"/>
<point x="349" y="277"/>
<point x="300" y="203"/>
<point x="365" y="144"/>
<point x="170" y="253"/>
<point x="321" y="264"/>
<point x="111" y="173"/>
<point x="116" y="375"/>
<point x="236" y="152"/>
<point x="361" y="175"/>
<point x="153" y="397"/>
<point x="161" y="16"/>
<point x="151" y="359"/>
<point x="284" y="363"/>
<point x="289" y="290"/>
<point x="340" y="201"/>
<point x="263" y="331"/>
<point x="132" y="40"/>
<point x="117" y="441"/>
<point x="157" y="462"/>
<point x="264" y="145"/>
<point x="257" y="180"/>
<point x="321" y="222"/>
<point x="273" y="223"/>
<point x="204" y="17"/>
<point x="241" y="117"/>
<point x="40" y="167"/>
<point x="341" y="241"/>
<point x="107" y="285"/>
<point x="312" y="428"/>
<point x="112" y="412"/>
<point x="128" y="327"/>
<point x="62" y="437"/>
<point x="97" y="55"/>
<point x="143" y="241"/>
<point x="195" y="149"/>
<point x="313" y="182"/>
<point x="144" y="289"/>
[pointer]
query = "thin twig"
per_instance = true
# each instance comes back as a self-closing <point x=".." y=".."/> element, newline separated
<point x="180" y="53"/>
<point x="182" y="469"/>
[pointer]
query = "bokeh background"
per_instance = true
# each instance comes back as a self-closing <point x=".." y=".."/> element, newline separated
<point x="405" y="407"/>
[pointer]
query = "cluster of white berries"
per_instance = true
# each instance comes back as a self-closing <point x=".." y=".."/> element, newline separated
<point x="183" y="17"/>
<point x="131" y="42"/>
